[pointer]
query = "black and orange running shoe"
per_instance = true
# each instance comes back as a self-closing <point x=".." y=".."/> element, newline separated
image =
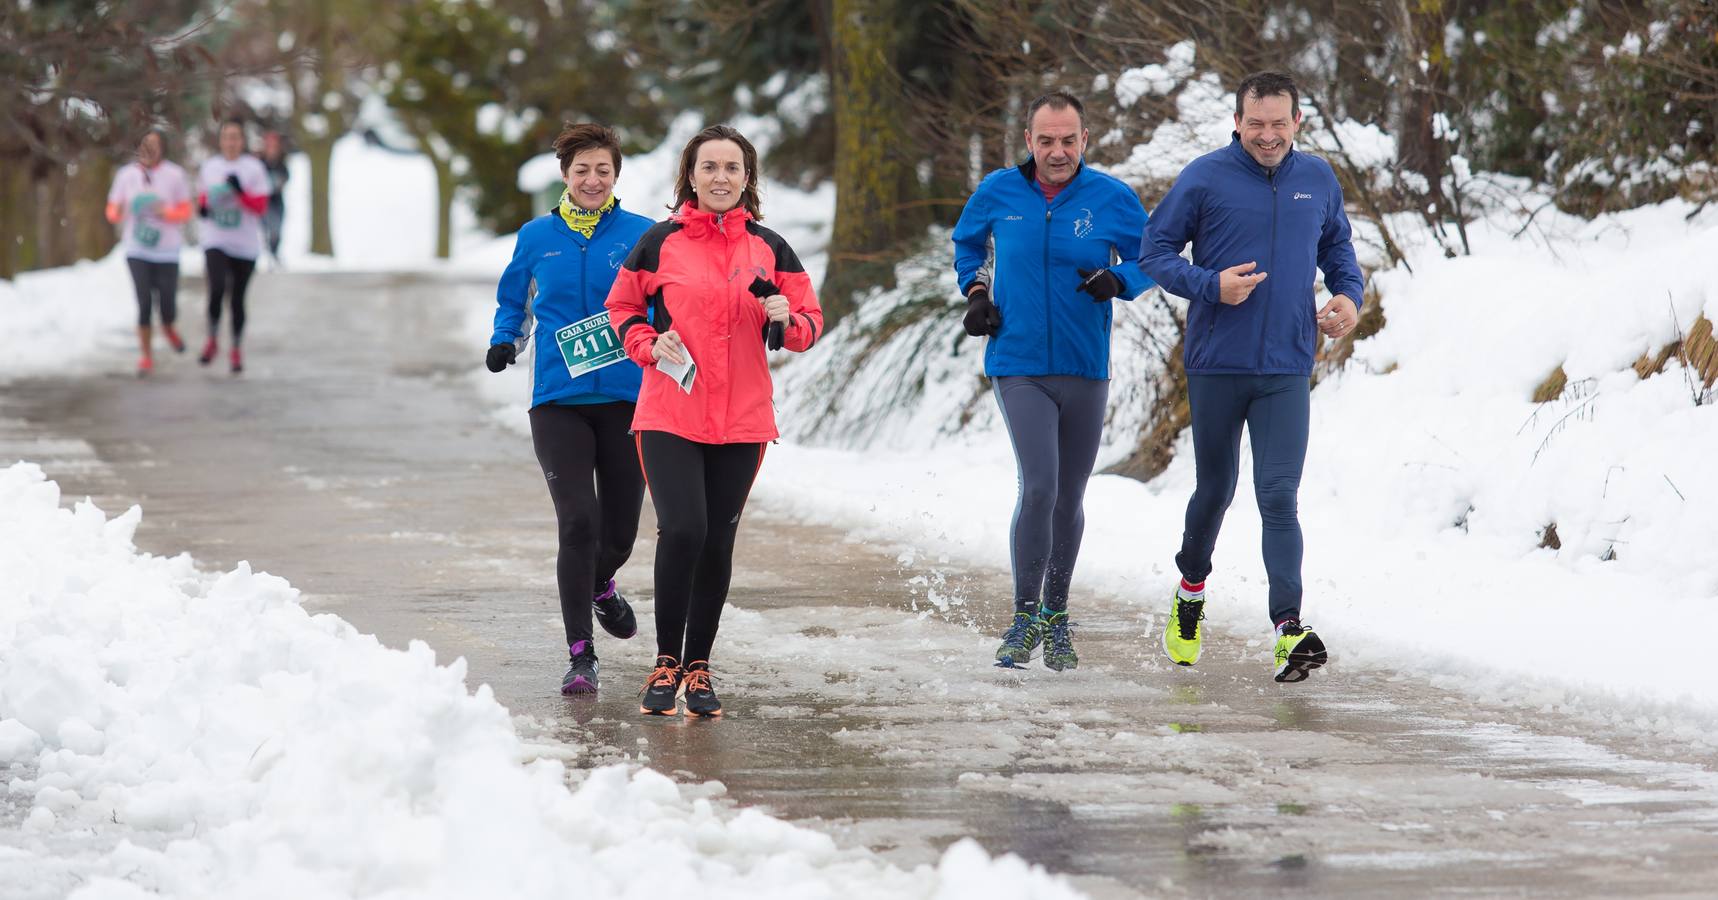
<point x="662" y="688"/>
<point x="700" y="692"/>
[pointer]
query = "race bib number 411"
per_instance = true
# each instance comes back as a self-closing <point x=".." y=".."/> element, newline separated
<point x="589" y="344"/>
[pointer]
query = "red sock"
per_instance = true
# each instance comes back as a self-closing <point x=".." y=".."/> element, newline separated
<point x="1190" y="588"/>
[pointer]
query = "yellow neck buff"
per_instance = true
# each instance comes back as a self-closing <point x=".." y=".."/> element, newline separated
<point x="580" y="219"/>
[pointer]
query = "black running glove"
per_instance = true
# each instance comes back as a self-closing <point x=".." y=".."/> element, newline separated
<point x="500" y="356"/>
<point x="233" y="182"/>
<point x="202" y="210"/>
<point x="982" y="317"/>
<point x="1101" y="284"/>
<point x="774" y="333"/>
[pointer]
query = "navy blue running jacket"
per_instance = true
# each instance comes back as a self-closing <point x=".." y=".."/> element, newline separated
<point x="1235" y="211"/>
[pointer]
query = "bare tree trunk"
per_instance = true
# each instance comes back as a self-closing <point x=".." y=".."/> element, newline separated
<point x="14" y="196"/>
<point x="872" y="174"/>
<point x="320" y="150"/>
<point x="319" y="97"/>
<point x="1421" y="26"/>
<point x="95" y="237"/>
<point x="52" y="223"/>
<point x="445" y="184"/>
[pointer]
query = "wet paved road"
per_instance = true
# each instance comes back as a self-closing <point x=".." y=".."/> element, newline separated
<point x="354" y="459"/>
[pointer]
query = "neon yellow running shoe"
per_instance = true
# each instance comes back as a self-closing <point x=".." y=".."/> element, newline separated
<point x="1298" y="652"/>
<point x="1183" y="634"/>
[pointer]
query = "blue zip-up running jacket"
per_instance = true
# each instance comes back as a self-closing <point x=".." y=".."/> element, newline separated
<point x="1235" y="211"/>
<point x="1048" y="326"/>
<point x="566" y="278"/>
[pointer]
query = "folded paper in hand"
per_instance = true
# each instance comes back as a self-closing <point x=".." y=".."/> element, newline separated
<point x="682" y="373"/>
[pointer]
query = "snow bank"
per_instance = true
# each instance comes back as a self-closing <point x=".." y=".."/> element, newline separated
<point x="166" y="731"/>
<point x="68" y="320"/>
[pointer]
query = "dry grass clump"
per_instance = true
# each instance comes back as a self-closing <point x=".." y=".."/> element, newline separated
<point x="1552" y="387"/>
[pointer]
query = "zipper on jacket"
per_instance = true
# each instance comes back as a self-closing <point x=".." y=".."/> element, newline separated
<point x="1049" y="328"/>
<point x="585" y="292"/>
<point x="1270" y="266"/>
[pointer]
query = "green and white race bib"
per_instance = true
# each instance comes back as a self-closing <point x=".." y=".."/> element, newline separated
<point x="147" y="235"/>
<point x="589" y="344"/>
<point x="227" y="218"/>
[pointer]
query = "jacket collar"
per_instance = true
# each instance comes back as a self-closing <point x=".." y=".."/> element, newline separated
<point x="703" y="223"/>
<point x="1246" y="160"/>
<point x="1029" y="169"/>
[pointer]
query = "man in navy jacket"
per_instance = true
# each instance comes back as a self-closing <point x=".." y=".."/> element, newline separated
<point x="1261" y="217"/>
<point x="1060" y="240"/>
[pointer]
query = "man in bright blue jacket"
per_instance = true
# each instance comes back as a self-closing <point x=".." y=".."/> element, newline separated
<point x="1040" y="251"/>
<point x="584" y="388"/>
<point x="1261" y="217"/>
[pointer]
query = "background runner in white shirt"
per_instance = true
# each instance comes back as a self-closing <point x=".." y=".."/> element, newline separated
<point x="233" y="192"/>
<point x="151" y="201"/>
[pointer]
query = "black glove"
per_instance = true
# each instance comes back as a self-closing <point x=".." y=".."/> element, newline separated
<point x="202" y="210"/>
<point x="1101" y="284"/>
<point x="982" y="317"/>
<point x="774" y="333"/>
<point x="500" y="356"/>
<point x="233" y="182"/>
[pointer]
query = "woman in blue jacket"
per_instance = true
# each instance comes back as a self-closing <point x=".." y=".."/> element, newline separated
<point x="1061" y="241"/>
<point x="584" y="387"/>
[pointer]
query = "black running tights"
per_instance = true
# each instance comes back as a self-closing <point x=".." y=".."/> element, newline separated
<point x="228" y="276"/>
<point x="157" y="286"/>
<point x="699" y="491"/>
<point x="589" y="460"/>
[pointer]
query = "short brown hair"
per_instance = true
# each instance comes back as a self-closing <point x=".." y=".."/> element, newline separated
<point x="1260" y="85"/>
<point x="577" y="138"/>
<point x="1057" y="99"/>
<point x="689" y="158"/>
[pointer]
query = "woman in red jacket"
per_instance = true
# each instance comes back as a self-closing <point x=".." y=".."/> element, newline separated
<point x="714" y="282"/>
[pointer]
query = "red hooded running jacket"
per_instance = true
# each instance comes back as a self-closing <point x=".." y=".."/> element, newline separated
<point x="692" y="274"/>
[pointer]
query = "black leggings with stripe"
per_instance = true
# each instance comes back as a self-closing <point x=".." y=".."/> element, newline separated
<point x="699" y="491"/>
